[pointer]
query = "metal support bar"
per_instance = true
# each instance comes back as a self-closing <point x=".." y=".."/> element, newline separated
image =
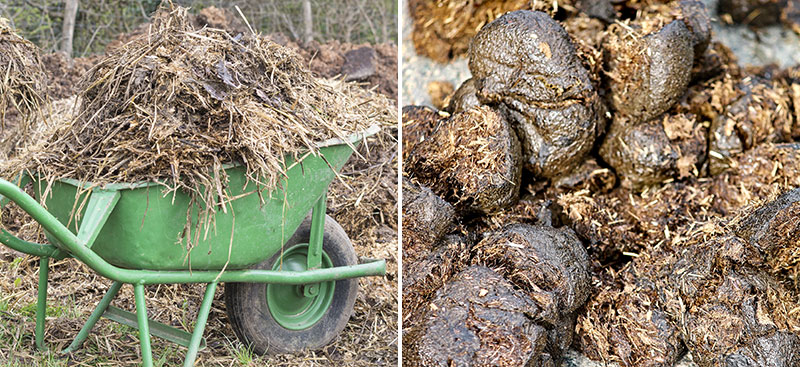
<point x="98" y="311"/>
<point x="202" y="317"/>
<point x="317" y="233"/>
<point x="144" y="329"/>
<point x="31" y="248"/>
<point x="158" y="329"/>
<point x="41" y="302"/>
<point x="314" y="254"/>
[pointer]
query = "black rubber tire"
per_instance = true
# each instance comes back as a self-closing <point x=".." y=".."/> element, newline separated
<point x="247" y="308"/>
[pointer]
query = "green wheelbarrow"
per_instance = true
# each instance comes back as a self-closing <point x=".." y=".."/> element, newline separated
<point x="291" y="275"/>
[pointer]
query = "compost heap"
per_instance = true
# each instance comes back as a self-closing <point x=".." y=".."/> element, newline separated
<point x="656" y="212"/>
<point x="22" y="83"/>
<point x="177" y="103"/>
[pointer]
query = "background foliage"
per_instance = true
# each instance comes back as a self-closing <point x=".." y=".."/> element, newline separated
<point x="100" y="21"/>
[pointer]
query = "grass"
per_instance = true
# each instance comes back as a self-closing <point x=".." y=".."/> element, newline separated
<point x="74" y="290"/>
<point x="243" y="354"/>
<point x="17" y="350"/>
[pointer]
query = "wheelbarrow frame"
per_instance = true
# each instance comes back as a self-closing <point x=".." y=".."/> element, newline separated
<point x="79" y="246"/>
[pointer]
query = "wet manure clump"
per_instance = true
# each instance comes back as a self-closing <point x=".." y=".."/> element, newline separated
<point x="712" y="288"/>
<point x="651" y="152"/>
<point x="471" y="159"/>
<point x="514" y="306"/>
<point x="176" y="104"/>
<point x="757" y="111"/>
<point x="478" y="319"/>
<point x="649" y="66"/>
<point x="526" y="65"/>
<point x="721" y="283"/>
<point x="426" y="218"/>
<point x="550" y="265"/>
<point x="429" y="271"/>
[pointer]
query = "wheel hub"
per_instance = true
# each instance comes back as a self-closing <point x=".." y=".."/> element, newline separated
<point x="298" y="307"/>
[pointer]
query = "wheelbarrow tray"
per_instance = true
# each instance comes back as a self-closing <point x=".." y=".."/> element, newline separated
<point x="144" y="230"/>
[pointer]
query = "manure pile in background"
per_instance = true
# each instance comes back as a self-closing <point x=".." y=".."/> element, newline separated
<point x="23" y="94"/>
<point x="649" y="159"/>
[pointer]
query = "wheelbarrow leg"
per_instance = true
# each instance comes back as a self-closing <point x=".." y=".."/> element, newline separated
<point x="41" y="302"/>
<point x="144" y="327"/>
<point x="98" y="311"/>
<point x="202" y="317"/>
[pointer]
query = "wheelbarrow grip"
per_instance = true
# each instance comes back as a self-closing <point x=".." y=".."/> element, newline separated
<point x="12" y="192"/>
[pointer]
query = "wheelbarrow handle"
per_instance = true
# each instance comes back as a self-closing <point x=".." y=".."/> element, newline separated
<point x="21" y="180"/>
<point x="12" y="192"/>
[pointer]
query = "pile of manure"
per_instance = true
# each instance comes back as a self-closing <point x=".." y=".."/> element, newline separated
<point x="23" y="95"/>
<point x="176" y="104"/>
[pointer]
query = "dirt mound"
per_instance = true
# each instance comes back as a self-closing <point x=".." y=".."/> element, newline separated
<point x="63" y="77"/>
<point x="327" y="60"/>
<point x="224" y="19"/>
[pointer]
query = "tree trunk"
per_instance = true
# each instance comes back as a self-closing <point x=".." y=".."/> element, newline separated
<point x="308" y="22"/>
<point x="68" y="29"/>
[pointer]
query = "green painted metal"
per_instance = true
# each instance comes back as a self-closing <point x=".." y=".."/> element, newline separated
<point x="144" y="229"/>
<point x="288" y="304"/>
<point x="70" y="242"/>
<point x="101" y="204"/>
<point x="315" y="242"/>
<point x="35" y="249"/>
<point x="200" y="326"/>
<point x="21" y="180"/>
<point x="156" y="328"/>
<point x="30" y="248"/>
<point x="94" y="317"/>
<point x="317" y="233"/>
<point x="88" y="256"/>
<point x="41" y="302"/>
<point x="144" y="326"/>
